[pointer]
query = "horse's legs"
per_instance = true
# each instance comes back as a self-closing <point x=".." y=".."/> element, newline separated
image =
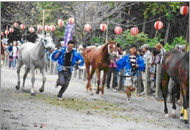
<point x="173" y="101"/>
<point x="103" y="82"/>
<point x="88" y="74"/>
<point x="18" y="73"/>
<point x="89" y="78"/>
<point x="185" y="103"/>
<point x="24" y="77"/>
<point x="98" y="80"/>
<point x="43" y="80"/>
<point x="164" y="88"/>
<point x="32" y="80"/>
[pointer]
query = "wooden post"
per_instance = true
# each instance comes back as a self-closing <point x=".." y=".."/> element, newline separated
<point x="6" y="29"/>
<point x="158" y="70"/>
<point x="146" y="87"/>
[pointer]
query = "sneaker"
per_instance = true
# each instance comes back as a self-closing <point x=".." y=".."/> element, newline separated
<point x="114" y="90"/>
<point x="129" y="100"/>
<point x="59" y="98"/>
<point x="142" y="93"/>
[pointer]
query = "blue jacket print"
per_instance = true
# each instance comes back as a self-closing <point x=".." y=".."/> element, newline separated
<point x="76" y="57"/>
<point x="125" y="62"/>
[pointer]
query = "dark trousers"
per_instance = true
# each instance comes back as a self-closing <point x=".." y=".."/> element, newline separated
<point x="114" y="80"/>
<point x="63" y="76"/>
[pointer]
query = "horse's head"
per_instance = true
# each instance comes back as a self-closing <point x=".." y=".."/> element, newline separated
<point x="47" y="41"/>
<point x="112" y="48"/>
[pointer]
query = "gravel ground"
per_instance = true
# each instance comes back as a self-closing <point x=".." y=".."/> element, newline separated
<point x="79" y="110"/>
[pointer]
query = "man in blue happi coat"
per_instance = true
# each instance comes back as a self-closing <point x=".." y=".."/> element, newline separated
<point x="67" y="57"/>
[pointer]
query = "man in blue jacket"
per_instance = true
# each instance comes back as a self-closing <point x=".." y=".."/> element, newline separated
<point x="67" y="58"/>
<point x="133" y="63"/>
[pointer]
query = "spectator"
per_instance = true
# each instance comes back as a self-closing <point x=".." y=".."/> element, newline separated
<point x="13" y="52"/>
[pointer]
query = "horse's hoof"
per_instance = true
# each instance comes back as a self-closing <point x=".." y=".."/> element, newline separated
<point x="41" y="90"/>
<point x="17" y="87"/>
<point x="181" y="118"/>
<point x="167" y="115"/>
<point x="91" y="93"/>
<point x="186" y="121"/>
<point x="97" y="92"/>
<point x="32" y="94"/>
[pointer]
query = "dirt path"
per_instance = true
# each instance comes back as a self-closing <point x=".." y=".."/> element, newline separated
<point x="79" y="110"/>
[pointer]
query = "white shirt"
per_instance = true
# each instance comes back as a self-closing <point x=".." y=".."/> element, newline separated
<point x="14" y="51"/>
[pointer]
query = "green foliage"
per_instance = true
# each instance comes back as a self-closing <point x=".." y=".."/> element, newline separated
<point x="126" y="39"/>
<point x="100" y="40"/>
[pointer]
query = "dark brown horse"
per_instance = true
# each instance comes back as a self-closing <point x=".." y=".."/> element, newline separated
<point x="175" y="65"/>
<point x="98" y="59"/>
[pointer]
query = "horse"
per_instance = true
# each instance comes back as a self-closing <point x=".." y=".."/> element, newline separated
<point x="175" y="65"/>
<point x="33" y="56"/>
<point x="99" y="59"/>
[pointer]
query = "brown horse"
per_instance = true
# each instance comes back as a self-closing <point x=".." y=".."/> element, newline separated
<point x="98" y="59"/>
<point x="175" y="65"/>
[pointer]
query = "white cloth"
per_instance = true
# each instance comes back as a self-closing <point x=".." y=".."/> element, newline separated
<point x="14" y="51"/>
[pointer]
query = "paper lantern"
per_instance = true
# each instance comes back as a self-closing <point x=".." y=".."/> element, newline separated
<point x="11" y="30"/>
<point x="39" y="27"/>
<point x="134" y="31"/>
<point x="22" y="26"/>
<point x="15" y="25"/>
<point x="158" y="25"/>
<point x="6" y="32"/>
<point x="60" y="22"/>
<point x="184" y="10"/>
<point x="118" y="30"/>
<point x="103" y="26"/>
<point x="52" y="28"/>
<point x="2" y="34"/>
<point x="71" y="20"/>
<point x="87" y="27"/>
<point x="47" y="28"/>
<point x="31" y="29"/>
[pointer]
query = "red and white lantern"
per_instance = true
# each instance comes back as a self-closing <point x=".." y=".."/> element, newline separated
<point x="52" y="28"/>
<point x="2" y="34"/>
<point x="134" y="31"/>
<point x="31" y="29"/>
<point x="118" y="30"/>
<point x="6" y="32"/>
<point x="22" y="26"/>
<point x="87" y="27"/>
<point x="11" y="30"/>
<point x="71" y="20"/>
<point x="60" y="22"/>
<point x="15" y="25"/>
<point x="39" y="27"/>
<point x="47" y="28"/>
<point x="184" y="10"/>
<point x="103" y="26"/>
<point x="158" y="25"/>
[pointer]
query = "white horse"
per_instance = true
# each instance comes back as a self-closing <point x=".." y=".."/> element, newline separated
<point x="33" y="56"/>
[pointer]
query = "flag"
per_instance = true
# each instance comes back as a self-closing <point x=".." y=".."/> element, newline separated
<point x="68" y="33"/>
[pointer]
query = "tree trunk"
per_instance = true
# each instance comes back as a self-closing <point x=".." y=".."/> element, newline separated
<point x="167" y="33"/>
<point x="129" y="12"/>
<point x="152" y="30"/>
<point x="144" y="25"/>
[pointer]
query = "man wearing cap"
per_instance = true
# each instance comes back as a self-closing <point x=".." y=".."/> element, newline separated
<point x="146" y="57"/>
<point x="133" y="63"/>
<point x="67" y="58"/>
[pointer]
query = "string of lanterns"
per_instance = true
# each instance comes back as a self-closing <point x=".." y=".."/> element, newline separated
<point x="158" y="25"/>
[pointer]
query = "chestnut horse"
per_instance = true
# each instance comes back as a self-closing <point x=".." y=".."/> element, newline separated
<point x="98" y="59"/>
<point x="175" y="65"/>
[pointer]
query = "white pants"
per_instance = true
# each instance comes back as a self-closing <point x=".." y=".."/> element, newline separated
<point x="131" y="81"/>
